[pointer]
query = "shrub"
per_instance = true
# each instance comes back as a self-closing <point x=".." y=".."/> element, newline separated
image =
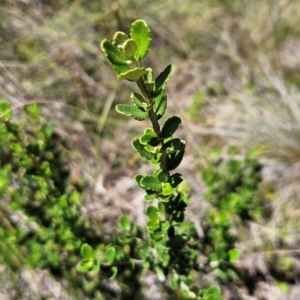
<point x="168" y="249"/>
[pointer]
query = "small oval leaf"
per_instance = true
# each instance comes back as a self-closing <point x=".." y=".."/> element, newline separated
<point x="132" y="74"/>
<point x="138" y="100"/>
<point x="120" y="38"/>
<point x="125" y="224"/>
<point x="110" y="255"/>
<point x="163" y="77"/>
<point x="151" y="183"/>
<point x="115" y="56"/>
<point x="85" y="265"/>
<point x="141" y="34"/>
<point x="160" y="104"/>
<point x="170" y="127"/>
<point x="141" y="149"/>
<point x="132" y="111"/>
<point x="130" y="47"/>
<point x="152" y="212"/>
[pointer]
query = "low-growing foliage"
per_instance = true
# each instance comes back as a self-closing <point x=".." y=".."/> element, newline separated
<point x="41" y="224"/>
<point x="232" y="190"/>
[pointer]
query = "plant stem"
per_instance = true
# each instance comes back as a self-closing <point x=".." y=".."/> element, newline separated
<point x="152" y="115"/>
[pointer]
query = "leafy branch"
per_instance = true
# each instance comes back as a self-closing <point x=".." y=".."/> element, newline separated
<point x="169" y="250"/>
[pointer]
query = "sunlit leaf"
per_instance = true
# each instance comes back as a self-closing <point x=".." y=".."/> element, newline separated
<point x="125" y="224"/>
<point x="5" y="110"/>
<point x="132" y="74"/>
<point x="129" y="48"/>
<point x="119" y="38"/>
<point x="152" y="212"/>
<point x="147" y="136"/>
<point x="110" y="255"/>
<point x="33" y="110"/>
<point x="141" y="149"/>
<point x="16" y="148"/>
<point x="234" y="254"/>
<point x="132" y="111"/>
<point x="114" y="272"/>
<point x="138" y="100"/>
<point x="115" y="56"/>
<point x="141" y="34"/>
<point x="151" y="183"/>
<point x="85" y="265"/>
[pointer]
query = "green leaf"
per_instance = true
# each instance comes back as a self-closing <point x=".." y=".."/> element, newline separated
<point x="176" y="148"/>
<point x="125" y="224"/>
<point x="13" y="128"/>
<point x="33" y="110"/>
<point x="114" y="272"/>
<point x="160" y="274"/>
<point x="154" y="142"/>
<point x="167" y="189"/>
<point x="151" y="183"/>
<point x="141" y="149"/>
<point x="175" y="179"/>
<point x="115" y="56"/>
<point x="156" y="158"/>
<point x="163" y="175"/>
<point x="157" y="235"/>
<point x="120" y="38"/>
<point x="152" y="224"/>
<point x="147" y="136"/>
<point x="152" y="212"/>
<point x="174" y="145"/>
<point x="141" y="34"/>
<point x="110" y="255"/>
<point x="150" y="76"/>
<point x="161" y="207"/>
<point x="174" y="281"/>
<point x="163" y="77"/>
<point x="215" y="292"/>
<point x="5" y="110"/>
<point x="234" y="254"/>
<point x="133" y="74"/>
<point x="150" y="196"/>
<point x="119" y="254"/>
<point x="48" y="131"/>
<point x="125" y="239"/>
<point x="132" y="111"/>
<point x="16" y="148"/>
<point x="138" y="178"/>
<point x="45" y="168"/>
<point x="138" y="100"/>
<point x="26" y="162"/>
<point x="170" y="127"/>
<point x="130" y="48"/>
<point x="85" y="265"/>
<point x="165" y="225"/>
<point x="160" y="104"/>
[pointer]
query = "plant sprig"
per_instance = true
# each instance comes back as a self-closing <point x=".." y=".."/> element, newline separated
<point x="168" y="249"/>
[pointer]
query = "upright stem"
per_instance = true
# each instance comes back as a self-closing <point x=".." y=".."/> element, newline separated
<point x="152" y="115"/>
<point x="153" y="118"/>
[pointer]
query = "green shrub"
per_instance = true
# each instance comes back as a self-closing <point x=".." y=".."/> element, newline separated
<point x="168" y="249"/>
<point x="35" y="183"/>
